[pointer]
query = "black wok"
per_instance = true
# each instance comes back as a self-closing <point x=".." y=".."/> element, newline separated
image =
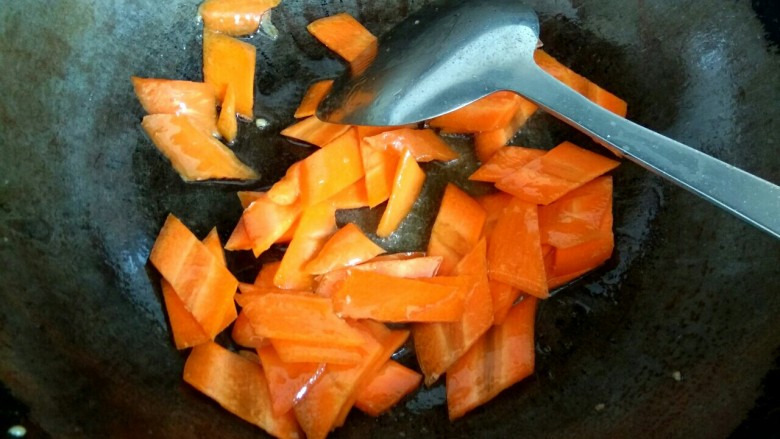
<point x="676" y="336"/>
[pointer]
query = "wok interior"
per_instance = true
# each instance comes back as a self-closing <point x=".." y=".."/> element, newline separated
<point x="84" y="340"/>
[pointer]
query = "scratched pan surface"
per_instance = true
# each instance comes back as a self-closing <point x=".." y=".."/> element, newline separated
<point x="85" y="349"/>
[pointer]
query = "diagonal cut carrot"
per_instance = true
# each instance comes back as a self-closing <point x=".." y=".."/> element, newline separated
<point x="193" y="152"/>
<point x="551" y="176"/>
<point x="515" y="249"/>
<point x="286" y="380"/>
<point x="487" y="143"/>
<point x="407" y="184"/>
<point x="167" y="96"/>
<point x="379" y="167"/>
<point x="311" y="100"/>
<point x="425" y="145"/>
<point x="310" y="352"/>
<point x="348" y="246"/>
<point x="314" y="131"/>
<point x="265" y="222"/>
<point x="457" y="228"/>
<point x="505" y="161"/>
<point x="501" y="358"/>
<point x="489" y="113"/>
<point x="239" y="386"/>
<point x="411" y="268"/>
<point x="331" y="169"/>
<point x="344" y="35"/>
<point x="227" y="60"/>
<point x="576" y="217"/>
<point x="234" y="17"/>
<point x="227" y="123"/>
<point x="386" y="388"/>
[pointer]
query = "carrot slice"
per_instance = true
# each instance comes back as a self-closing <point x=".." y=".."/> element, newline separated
<point x="194" y="153"/>
<point x="265" y="222"/>
<point x="515" y="249"/>
<point x="457" y="228"/>
<point x="501" y="358"/>
<point x="243" y="333"/>
<point x="493" y="204"/>
<point x="286" y="380"/>
<point x="227" y="123"/>
<point x="379" y="168"/>
<point x="239" y="240"/>
<point x="234" y="17"/>
<point x="353" y="196"/>
<point x="551" y="176"/>
<point x="439" y="345"/>
<point x="265" y="277"/>
<point x="316" y="225"/>
<point x="487" y="143"/>
<point x="348" y="246"/>
<point x="387" y="387"/>
<point x="239" y="386"/>
<point x="505" y="161"/>
<point x="331" y="169"/>
<point x="203" y="284"/>
<point x="425" y="145"/>
<point x="167" y="96"/>
<point x="187" y="332"/>
<point x="311" y="100"/>
<point x="308" y="352"/>
<point x="576" y="217"/>
<point x="287" y="190"/>
<point x="326" y="404"/>
<point x="489" y="113"/>
<point x="299" y="318"/>
<point x="407" y="184"/>
<point x="503" y="295"/>
<point x="344" y="35"/>
<point x="584" y="257"/>
<point x="227" y="60"/>
<point x="367" y="295"/>
<point x="314" y="131"/>
<point x="411" y="268"/>
<point x="214" y="245"/>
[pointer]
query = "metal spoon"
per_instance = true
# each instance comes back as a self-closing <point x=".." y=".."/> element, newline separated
<point x="445" y="57"/>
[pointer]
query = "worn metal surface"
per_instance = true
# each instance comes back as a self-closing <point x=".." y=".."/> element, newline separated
<point x="84" y="343"/>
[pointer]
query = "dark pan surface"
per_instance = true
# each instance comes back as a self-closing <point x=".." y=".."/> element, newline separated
<point x="84" y="344"/>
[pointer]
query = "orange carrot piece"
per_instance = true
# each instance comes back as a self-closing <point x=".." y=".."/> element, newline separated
<point x="187" y="332"/>
<point x="214" y="245"/>
<point x="493" y="204"/>
<point x="265" y="222"/>
<point x="203" y="284"/>
<point x="307" y="352"/>
<point x="379" y="168"/>
<point x="505" y="161"/>
<point x="583" y="257"/>
<point x="193" y="153"/>
<point x="227" y="124"/>
<point x="425" y="145"/>
<point x="576" y="217"/>
<point x="489" y="113"/>
<point x="331" y="169"/>
<point x="234" y="17"/>
<point x="487" y="143"/>
<point x="239" y="386"/>
<point x="391" y="383"/>
<point x="299" y="318"/>
<point x="167" y="96"/>
<point x="503" y="295"/>
<point x="314" y="131"/>
<point x="353" y="196"/>
<point x="411" y="268"/>
<point x="265" y="277"/>
<point x="239" y="240"/>
<point x="551" y="176"/>
<point x="348" y="246"/>
<point x="227" y="60"/>
<point x="326" y="404"/>
<point x="344" y="35"/>
<point x="439" y="345"/>
<point x="367" y="295"/>
<point x="243" y="333"/>
<point x="247" y="197"/>
<point x="316" y="225"/>
<point x="286" y="380"/>
<point x="407" y="184"/>
<point x="457" y="228"/>
<point x="515" y="249"/>
<point x="501" y="358"/>
<point x="287" y="190"/>
<point x="311" y="100"/>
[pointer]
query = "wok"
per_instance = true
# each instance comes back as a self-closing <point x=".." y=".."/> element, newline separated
<point x="675" y="336"/>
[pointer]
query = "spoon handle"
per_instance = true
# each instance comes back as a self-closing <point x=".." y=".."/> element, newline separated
<point x="750" y="198"/>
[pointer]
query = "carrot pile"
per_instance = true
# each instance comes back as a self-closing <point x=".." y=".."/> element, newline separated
<point x="312" y="326"/>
